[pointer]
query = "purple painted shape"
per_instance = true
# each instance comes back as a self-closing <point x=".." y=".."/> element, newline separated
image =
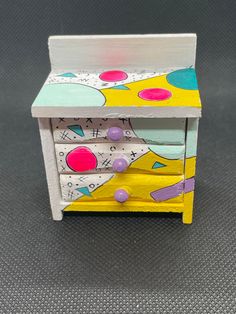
<point x="120" y="165"/>
<point x="121" y="196"/>
<point x="168" y="192"/>
<point x="189" y="185"/>
<point x="173" y="190"/>
<point x="115" y="133"/>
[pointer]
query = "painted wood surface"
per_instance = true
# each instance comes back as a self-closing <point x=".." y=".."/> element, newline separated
<point x="77" y="91"/>
<point x="140" y="187"/>
<point x="49" y="156"/>
<point x="151" y="73"/>
<point x="95" y="52"/>
<point x="191" y="137"/>
<point x="100" y="157"/>
<point x="132" y="206"/>
<point x="190" y="167"/>
<point x="146" y="86"/>
<point x="115" y="112"/>
<point x="156" y="131"/>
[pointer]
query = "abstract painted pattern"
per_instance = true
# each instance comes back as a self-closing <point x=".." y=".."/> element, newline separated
<point x="169" y="131"/>
<point x="121" y="88"/>
<point x="160" y="188"/>
<point x="97" y="158"/>
<point x="103" y="79"/>
<point x="86" y="168"/>
<point x="92" y="188"/>
<point x="160" y="153"/>
<point x="118" y="119"/>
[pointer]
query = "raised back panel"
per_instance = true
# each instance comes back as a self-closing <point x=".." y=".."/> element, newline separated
<point x="132" y="52"/>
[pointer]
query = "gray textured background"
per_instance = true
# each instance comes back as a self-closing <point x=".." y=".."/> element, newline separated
<point x="115" y="263"/>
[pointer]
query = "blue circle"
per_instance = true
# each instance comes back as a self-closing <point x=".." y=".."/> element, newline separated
<point x="184" y="78"/>
<point x="69" y="94"/>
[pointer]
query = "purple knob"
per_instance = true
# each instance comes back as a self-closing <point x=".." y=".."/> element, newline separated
<point x="115" y="133"/>
<point x="121" y="196"/>
<point x="120" y="165"/>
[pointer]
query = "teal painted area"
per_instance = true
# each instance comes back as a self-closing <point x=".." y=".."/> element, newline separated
<point x="184" y="78"/>
<point x="157" y="165"/>
<point x="169" y="152"/>
<point x="123" y="87"/>
<point x="84" y="190"/>
<point x="163" y="131"/>
<point x="69" y="95"/>
<point x="77" y="129"/>
<point x="69" y="74"/>
<point x="191" y="140"/>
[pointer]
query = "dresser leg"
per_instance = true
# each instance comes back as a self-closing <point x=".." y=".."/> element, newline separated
<point x="57" y="215"/>
<point x="187" y="216"/>
<point x="48" y="148"/>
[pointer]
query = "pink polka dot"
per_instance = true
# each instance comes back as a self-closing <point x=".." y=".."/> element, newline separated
<point x="113" y="76"/>
<point x="81" y="159"/>
<point x="155" y="94"/>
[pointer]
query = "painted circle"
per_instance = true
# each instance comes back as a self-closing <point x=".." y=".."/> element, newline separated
<point x="154" y="94"/>
<point x="113" y="76"/>
<point x="81" y="159"/>
<point x="119" y="165"/>
<point x="69" y="95"/>
<point x="115" y="133"/>
<point x="184" y="78"/>
<point x="121" y="195"/>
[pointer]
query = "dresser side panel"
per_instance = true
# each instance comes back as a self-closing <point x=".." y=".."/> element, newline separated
<point x="49" y="156"/>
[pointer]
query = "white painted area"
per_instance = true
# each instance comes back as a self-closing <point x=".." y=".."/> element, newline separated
<point x="94" y="52"/>
<point x="93" y="78"/>
<point x="115" y="112"/>
<point x="51" y="168"/>
<point x="74" y="187"/>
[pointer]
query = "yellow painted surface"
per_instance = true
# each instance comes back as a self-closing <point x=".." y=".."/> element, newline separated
<point x="190" y="167"/>
<point x="188" y="208"/>
<point x="139" y="187"/>
<point x="146" y="162"/>
<point x="135" y="206"/>
<point x="180" y="97"/>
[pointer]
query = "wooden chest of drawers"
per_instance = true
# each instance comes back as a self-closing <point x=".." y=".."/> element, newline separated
<point x="118" y="118"/>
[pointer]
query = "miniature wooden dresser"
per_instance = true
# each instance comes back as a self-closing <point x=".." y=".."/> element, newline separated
<point x="118" y="119"/>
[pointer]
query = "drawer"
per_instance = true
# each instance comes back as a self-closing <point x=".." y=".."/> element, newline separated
<point x="152" y="130"/>
<point x="130" y="206"/>
<point x="118" y="187"/>
<point x="120" y="157"/>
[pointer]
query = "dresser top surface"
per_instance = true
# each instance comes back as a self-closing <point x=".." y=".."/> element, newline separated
<point x="115" y="93"/>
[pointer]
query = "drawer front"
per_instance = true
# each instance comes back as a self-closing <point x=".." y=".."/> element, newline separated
<point x="153" y="130"/>
<point x="120" y="157"/>
<point x="130" y="206"/>
<point x="114" y="187"/>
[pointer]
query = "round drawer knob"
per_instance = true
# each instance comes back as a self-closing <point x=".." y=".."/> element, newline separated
<point x="121" y="196"/>
<point x="115" y="133"/>
<point x="120" y="165"/>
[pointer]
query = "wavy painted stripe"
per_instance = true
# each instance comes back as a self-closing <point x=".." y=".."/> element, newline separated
<point x="189" y="185"/>
<point x="173" y="190"/>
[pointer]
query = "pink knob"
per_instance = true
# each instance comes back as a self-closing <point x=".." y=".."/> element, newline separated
<point x="121" y="196"/>
<point x="115" y="133"/>
<point x="120" y="165"/>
